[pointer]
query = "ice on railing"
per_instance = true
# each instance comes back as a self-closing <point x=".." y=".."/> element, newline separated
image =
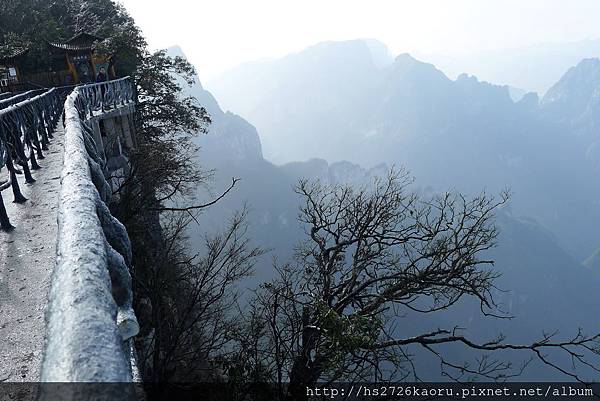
<point x="17" y="98"/>
<point x="90" y="318"/>
<point x="26" y="125"/>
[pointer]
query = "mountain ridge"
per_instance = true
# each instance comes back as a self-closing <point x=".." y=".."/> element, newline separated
<point x="535" y="268"/>
<point x="533" y="68"/>
<point x="465" y="131"/>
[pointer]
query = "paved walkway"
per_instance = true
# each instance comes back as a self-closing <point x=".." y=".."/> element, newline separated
<point x="27" y="258"/>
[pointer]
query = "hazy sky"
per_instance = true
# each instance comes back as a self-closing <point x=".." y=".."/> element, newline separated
<point x="219" y="34"/>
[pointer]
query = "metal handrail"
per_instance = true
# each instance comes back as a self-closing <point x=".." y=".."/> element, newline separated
<point x="101" y="96"/>
<point x="25" y="131"/>
<point x="14" y="99"/>
<point x="27" y="121"/>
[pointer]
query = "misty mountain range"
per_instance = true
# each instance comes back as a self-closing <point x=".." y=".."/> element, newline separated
<point x="333" y="101"/>
<point x="532" y="68"/>
<point x="344" y="112"/>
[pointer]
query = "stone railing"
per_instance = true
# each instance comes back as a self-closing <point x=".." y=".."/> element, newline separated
<point x="25" y="131"/>
<point x="90" y="321"/>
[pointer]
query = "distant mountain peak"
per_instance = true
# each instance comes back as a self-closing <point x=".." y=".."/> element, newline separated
<point x="405" y="58"/>
<point x="592" y="62"/>
<point x="405" y="64"/>
<point x="575" y="97"/>
<point x="578" y="80"/>
<point x="230" y="136"/>
<point x="354" y="51"/>
<point x="380" y="53"/>
<point x="467" y="77"/>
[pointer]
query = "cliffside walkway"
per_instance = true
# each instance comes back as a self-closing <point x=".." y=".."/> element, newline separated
<point x="66" y="312"/>
<point x="27" y="259"/>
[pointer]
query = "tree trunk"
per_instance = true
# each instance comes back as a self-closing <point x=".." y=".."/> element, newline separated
<point x="304" y="372"/>
<point x="300" y="379"/>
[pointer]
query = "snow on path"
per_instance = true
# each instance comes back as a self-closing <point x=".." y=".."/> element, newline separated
<point x="27" y="259"/>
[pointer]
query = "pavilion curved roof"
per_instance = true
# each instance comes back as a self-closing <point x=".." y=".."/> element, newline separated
<point x="82" y="41"/>
<point x="13" y="53"/>
<point x="70" y="47"/>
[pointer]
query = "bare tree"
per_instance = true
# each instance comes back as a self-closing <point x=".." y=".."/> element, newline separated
<point x="194" y="302"/>
<point x="371" y="255"/>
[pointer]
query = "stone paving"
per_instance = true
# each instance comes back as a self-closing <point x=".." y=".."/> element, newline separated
<point x="27" y="259"/>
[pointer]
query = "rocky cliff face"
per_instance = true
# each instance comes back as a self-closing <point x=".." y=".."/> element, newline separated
<point x="340" y="101"/>
<point x="308" y="104"/>
<point x="230" y="137"/>
<point x="573" y="104"/>
<point x="342" y="172"/>
<point x="575" y="99"/>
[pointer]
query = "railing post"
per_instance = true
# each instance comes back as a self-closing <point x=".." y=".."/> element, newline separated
<point x="18" y="195"/>
<point x="4" y="220"/>
<point x="21" y="121"/>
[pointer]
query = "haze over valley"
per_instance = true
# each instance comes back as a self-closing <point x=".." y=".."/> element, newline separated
<point x="347" y="111"/>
